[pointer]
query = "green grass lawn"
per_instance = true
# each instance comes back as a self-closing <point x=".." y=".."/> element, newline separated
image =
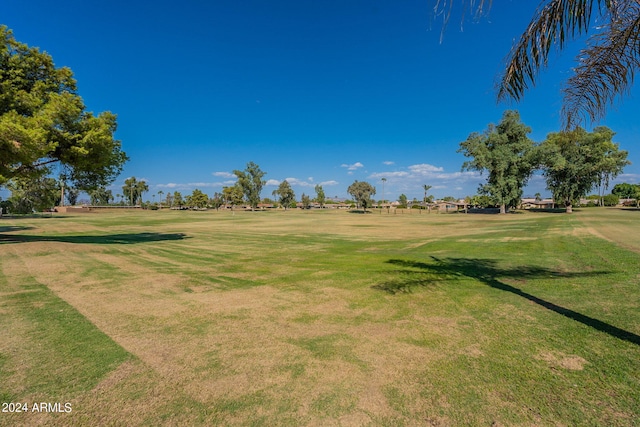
<point x="322" y="318"/>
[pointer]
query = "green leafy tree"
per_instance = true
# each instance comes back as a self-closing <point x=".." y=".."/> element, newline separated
<point x="251" y="182"/>
<point x="481" y="201"/>
<point x="232" y="195"/>
<point x="285" y="194"/>
<point x="403" y="200"/>
<point x="72" y="195"/>
<point x="177" y="199"/>
<point x="34" y="193"/>
<point x="610" y="200"/>
<point x="573" y="162"/>
<point x="612" y="160"/>
<point x="625" y="190"/>
<point x="217" y="200"/>
<point x="169" y="199"/>
<point x="100" y="196"/>
<point x="197" y="199"/>
<point x="362" y="191"/>
<point x="306" y="201"/>
<point x="43" y="122"/>
<point x="320" y="196"/>
<point x="507" y="154"/>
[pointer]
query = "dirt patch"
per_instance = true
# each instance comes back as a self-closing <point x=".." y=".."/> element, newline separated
<point x="564" y="361"/>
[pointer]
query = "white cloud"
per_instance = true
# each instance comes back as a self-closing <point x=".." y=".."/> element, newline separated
<point x="397" y="174"/>
<point x="352" y="167"/>
<point x="169" y="185"/>
<point x="295" y="182"/>
<point x="223" y="174"/>
<point x="299" y="182"/>
<point x="388" y="163"/>
<point x="632" y="178"/>
<point x="189" y="186"/>
<point x="410" y="180"/>
<point x="425" y="169"/>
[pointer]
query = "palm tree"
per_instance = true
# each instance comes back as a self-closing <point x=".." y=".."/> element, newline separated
<point x="160" y="193"/>
<point x="383" y="181"/>
<point x="141" y="188"/>
<point x="605" y="66"/>
<point x="426" y="188"/>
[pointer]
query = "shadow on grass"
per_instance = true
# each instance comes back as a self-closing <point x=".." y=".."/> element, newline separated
<point x="553" y="210"/>
<point x="11" y="228"/>
<point x="487" y="271"/>
<point x="107" y="239"/>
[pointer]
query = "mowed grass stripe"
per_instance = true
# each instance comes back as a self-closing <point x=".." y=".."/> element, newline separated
<point x="53" y="351"/>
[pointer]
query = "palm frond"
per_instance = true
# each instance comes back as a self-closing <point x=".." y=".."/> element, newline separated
<point x="554" y="24"/>
<point x="443" y="9"/>
<point x="606" y="68"/>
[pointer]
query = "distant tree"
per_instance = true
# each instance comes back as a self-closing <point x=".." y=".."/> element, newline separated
<point x="217" y="200"/>
<point x="507" y="154"/>
<point x="251" y="182"/>
<point x="72" y="195"/>
<point x="177" y="199"/>
<point x="449" y="199"/>
<point x="427" y="199"/>
<point x="481" y="201"/>
<point x="362" y="192"/>
<point x="625" y="191"/>
<point x="132" y="189"/>
<point x="197" y="199"/>
<point x="43" y="122"/>
<point x="306" y="201"/>
<point x="33" y="193"/>
<point x="402" y="200"/>
<point x="169" y="199"/>
<point x="612" y="160"/>
<point x="610" y="200"/>
<point x="320" y="196"/>
<point x="573" y="162"/>
<point x="285" y="194"/>
<point x="426" y="188"/>
<point x="160" y="193"/>
<point x="100" y="196"/>
<point x="141" y="188"/>
<point x="538" y="197"/>
<point x="232" y="195"/>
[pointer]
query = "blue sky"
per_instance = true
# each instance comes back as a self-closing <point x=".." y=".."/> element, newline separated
<point x="315" y="92"/>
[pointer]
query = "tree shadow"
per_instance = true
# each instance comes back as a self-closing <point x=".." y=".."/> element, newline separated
<point x="107" y="239"/>
<point x="11" y="228"/>
<point x="487" y="271"/>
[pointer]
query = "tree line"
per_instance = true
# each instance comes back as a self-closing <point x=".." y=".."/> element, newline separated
<point x="572" y="162"/>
